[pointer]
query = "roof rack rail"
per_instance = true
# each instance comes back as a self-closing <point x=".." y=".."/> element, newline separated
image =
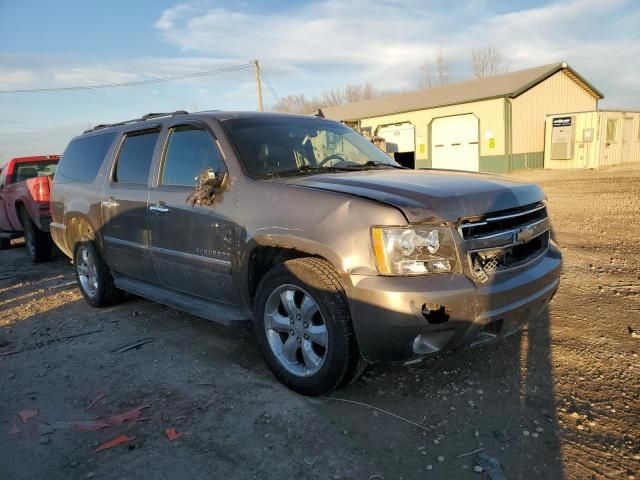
<point x="148" y="116"/>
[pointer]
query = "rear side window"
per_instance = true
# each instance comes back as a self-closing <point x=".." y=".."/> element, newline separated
<point x="26" y="170"/>
<point x="134" y="159"/>
<point x="82" y="159"/>
<point x="190" y="150"/>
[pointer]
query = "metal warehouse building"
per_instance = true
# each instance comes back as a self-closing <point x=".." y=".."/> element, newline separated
<point x="592" y="139"/>
<point x="495" y="124"/>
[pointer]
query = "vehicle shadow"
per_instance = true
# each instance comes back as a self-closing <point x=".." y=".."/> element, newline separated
<point x="497" y="399"/>
<point x="481" y="398"/>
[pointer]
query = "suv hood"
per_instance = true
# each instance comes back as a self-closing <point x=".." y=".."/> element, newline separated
<point x="428" y="195"/>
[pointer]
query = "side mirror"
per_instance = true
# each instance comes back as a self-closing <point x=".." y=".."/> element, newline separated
<point x="208" y="184"/>
<point x="209" y="178"/>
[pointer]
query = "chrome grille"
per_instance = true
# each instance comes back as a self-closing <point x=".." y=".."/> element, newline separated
<point x="505" y="240"/>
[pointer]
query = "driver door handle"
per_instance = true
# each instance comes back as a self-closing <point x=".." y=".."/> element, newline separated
<point x="159" y="208"/>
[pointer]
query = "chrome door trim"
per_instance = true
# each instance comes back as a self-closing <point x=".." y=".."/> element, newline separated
<point x="191" y="256"/>
<point x="126" y="243"/>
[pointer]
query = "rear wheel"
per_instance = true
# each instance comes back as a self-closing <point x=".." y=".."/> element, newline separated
<point x="38" y="243"/>
<point x="303" y="326"/>
<point x="94" y="277"/>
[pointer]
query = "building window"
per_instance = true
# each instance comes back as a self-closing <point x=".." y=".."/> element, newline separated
<point x="612" y="124"/>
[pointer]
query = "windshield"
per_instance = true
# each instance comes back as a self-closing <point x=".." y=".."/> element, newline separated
<point x="271" y="146"/>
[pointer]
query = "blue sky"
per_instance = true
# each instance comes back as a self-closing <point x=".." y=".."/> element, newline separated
<point x="304" y="47"/>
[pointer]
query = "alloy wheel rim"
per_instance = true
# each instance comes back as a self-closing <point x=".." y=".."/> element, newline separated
<point x="296" y="330"/>
<point x="87" y="272"/>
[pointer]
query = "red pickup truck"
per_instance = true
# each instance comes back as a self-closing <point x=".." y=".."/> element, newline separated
<point x="25" y="185"/>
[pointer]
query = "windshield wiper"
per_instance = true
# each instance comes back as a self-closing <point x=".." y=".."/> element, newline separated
<point x="373" y="163"/>
<point x="305" y="169"/>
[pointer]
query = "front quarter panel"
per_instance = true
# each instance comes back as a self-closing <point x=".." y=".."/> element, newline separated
<point x="331" y="225"/>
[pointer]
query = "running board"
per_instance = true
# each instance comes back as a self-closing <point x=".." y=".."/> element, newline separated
<point x="214" y="311"/>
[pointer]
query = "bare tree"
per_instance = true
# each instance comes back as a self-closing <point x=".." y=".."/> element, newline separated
<point x="488" y="62"/>
<point x="333" y="96"/>
<point x="296" y="104"/>
<point x="356" y="92"/>
<point x="353" y="92"/>
<point x="436" y="72"/>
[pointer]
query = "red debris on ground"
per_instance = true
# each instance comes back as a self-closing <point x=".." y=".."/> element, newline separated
<point x="27" y="414"/>
<point x="130" y="416"/>
<point x="113" y="421"/>
<point x="173" y="434"/>
<point x="99" y="397"/>
<point x="14" y="429"/>
<point x="114" y="443"/>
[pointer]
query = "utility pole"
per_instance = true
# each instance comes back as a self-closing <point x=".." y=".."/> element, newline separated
<point x="259" y="84"/>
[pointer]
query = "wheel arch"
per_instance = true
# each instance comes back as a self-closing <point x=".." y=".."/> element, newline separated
<point x="262" y="254"/>
<point x="77" y="227"/>
<point x="18" y="206"/>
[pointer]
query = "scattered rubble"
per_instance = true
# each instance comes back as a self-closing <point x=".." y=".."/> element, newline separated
<point x="27" y="414"/>
<point x="119" y="440"/>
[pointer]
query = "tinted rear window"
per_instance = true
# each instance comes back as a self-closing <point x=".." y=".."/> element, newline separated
<point x="134" y="160"/>
<point x="82" y="159"/>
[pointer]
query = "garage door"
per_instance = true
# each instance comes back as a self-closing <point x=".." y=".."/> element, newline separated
<point x="399" y="138"/>
<point x="454" y="143"/>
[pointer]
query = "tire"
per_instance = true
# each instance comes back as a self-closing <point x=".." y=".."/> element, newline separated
<point x="301" y="304"/>
<point x="94" y="277"/>
<point x="37" y="242"/>
<point x="5" y="243"/>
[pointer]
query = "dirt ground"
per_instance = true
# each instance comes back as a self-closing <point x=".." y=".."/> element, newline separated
<point x="559" y="400"/>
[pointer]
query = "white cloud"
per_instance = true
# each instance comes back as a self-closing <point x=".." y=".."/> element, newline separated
<point x="341" y="36"/>
<point x="46" y="72"/>
<point x="91" y="75"/>
<point x="172" y="15"/>
<point x="327" y="43"/>
<point x="11" y="78"/>
<point x="332" y="41"/>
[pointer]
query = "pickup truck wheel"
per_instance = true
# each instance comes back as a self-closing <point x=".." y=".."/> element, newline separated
<point x="303" y="326"/>
<point x="93" y="276"/>
<point x="38" y="243"/>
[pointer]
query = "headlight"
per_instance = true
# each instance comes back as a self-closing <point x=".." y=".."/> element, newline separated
<point x="414" y="250"/>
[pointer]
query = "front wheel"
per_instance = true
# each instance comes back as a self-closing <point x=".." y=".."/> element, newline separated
<point x="303" y="326"/>
<point x="93" y="276"/>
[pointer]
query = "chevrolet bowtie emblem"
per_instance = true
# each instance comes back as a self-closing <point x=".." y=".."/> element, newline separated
<point x="524" y="235"/>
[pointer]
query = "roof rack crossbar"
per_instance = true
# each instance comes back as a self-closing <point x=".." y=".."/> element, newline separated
<point x="148" y="116"/>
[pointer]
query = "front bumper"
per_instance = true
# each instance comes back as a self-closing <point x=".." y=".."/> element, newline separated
<point x="389" y="312"/>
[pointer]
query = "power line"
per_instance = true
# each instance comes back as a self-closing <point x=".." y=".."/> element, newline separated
<point x="270" y="86"/>
<point x="273" y="92"/>
<point x="134" y="83"/>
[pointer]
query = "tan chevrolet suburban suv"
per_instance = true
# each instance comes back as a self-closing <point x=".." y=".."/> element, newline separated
<point x="339" y="256"/>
